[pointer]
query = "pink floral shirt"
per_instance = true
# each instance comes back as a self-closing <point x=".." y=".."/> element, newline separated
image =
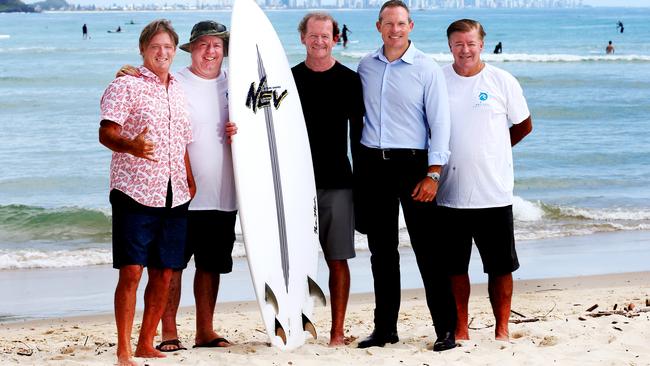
<point x="138" y="102"/>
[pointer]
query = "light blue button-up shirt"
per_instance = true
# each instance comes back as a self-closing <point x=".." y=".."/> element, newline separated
<point x="406" y="102"/>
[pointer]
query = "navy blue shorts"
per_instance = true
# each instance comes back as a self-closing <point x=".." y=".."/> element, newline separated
<point x="493" y="232"/>
<point x="148" y="236"/>
<point x="210" y="238"/>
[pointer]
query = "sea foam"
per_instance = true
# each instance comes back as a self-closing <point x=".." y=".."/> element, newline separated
<point x="534" y="220"/>
<point x="21" y="259"/>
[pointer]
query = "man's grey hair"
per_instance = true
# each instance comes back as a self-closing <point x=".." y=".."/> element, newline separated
<point x="318" y="15"/>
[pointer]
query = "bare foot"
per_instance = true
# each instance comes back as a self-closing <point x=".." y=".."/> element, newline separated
<point x="501" y="332"/>
<point x="148" y="352"/>
<point x="126" y="361"/>
<point x="504" y="338"/>
<point x="340" y="340"/>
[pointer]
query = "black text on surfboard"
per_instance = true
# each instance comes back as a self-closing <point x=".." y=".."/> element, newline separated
<point x="315" y="216"/>
<point x="262" y="96"/>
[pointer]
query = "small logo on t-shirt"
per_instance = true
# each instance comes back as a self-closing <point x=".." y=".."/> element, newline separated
<point x="482" y="97"/>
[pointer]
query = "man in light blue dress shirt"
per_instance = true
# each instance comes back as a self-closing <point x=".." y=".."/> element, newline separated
<point x="405" y="143"/>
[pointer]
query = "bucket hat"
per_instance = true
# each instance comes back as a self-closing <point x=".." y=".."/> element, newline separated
<point x="208" y="28"/>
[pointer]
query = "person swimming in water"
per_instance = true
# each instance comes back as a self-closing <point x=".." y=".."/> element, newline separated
<point x="498" y="48"/>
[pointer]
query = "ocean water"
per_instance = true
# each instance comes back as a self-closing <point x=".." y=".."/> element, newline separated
<point x="583" y="170"/>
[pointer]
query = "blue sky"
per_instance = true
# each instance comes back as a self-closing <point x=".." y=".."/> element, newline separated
<point x="623" y="3"/>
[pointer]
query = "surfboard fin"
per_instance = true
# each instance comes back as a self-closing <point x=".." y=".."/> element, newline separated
<point x="279" y="331"/>
<point x="308" y="326"/>
<point x="315" y="291"/>
<point x="270" y="298"/>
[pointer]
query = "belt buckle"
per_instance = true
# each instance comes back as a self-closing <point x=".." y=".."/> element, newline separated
<point x="383" y="154"/>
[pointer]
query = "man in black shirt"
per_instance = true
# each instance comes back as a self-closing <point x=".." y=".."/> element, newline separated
<point x="331" y="99"/>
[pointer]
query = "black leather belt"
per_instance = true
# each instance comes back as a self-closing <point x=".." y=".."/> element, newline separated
<point x="394" y="154"/>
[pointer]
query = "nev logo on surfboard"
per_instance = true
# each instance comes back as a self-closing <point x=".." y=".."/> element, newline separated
<point x="262" y="96"/>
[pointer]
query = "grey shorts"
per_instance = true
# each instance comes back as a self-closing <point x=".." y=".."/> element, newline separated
<point x="336" y="223"/>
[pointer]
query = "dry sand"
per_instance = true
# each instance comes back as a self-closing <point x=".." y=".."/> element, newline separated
<point x="563" y="334"/>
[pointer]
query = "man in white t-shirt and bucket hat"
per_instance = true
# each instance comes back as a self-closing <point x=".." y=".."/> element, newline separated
<point x="212" y="212"/>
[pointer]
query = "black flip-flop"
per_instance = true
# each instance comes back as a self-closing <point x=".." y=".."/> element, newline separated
<point x="170" y="342"/>
<point x="213" y="343"/>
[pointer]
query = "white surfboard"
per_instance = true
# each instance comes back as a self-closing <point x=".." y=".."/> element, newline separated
<point x="274" y="178"/>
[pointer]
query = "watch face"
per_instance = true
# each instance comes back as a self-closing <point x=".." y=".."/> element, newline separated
<point x="434" y="176"/>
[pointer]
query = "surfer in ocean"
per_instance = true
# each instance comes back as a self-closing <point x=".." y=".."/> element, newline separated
<point x="498" y="48"/>
<point x="402" y="165"/>
<point x="475" y="194"/>
<point x="344" y="35"/>
<point x="318" y="77"/>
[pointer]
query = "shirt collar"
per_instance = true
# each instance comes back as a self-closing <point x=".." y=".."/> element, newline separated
<point x="150" y="75"/>
<point x="408" y="56"/>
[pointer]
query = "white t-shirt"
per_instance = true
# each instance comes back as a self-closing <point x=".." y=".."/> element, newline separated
<point x="483" y="108"/>
<point x="210" y="154"/>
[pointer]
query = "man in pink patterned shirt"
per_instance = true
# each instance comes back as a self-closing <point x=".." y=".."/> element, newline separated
<point x="144" y="123"/>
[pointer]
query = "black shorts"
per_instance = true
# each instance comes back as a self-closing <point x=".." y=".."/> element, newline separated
<point x="210" y="238"/>
<point x="493" y="232"/>
<point x="147" y="236"/>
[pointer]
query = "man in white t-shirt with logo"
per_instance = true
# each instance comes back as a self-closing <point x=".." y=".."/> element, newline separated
<point x="489" y="115"/>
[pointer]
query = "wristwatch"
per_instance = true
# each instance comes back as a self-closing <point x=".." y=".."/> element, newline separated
<point x="435" y="176"/>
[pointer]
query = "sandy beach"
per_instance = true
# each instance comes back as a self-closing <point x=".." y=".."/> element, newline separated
<point x="564" y="333"/>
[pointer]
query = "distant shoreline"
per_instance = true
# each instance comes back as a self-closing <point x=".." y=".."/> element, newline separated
<point x="229" y="9"/>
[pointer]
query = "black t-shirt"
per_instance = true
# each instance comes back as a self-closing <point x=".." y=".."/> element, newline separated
<point x="329" y="99"/>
